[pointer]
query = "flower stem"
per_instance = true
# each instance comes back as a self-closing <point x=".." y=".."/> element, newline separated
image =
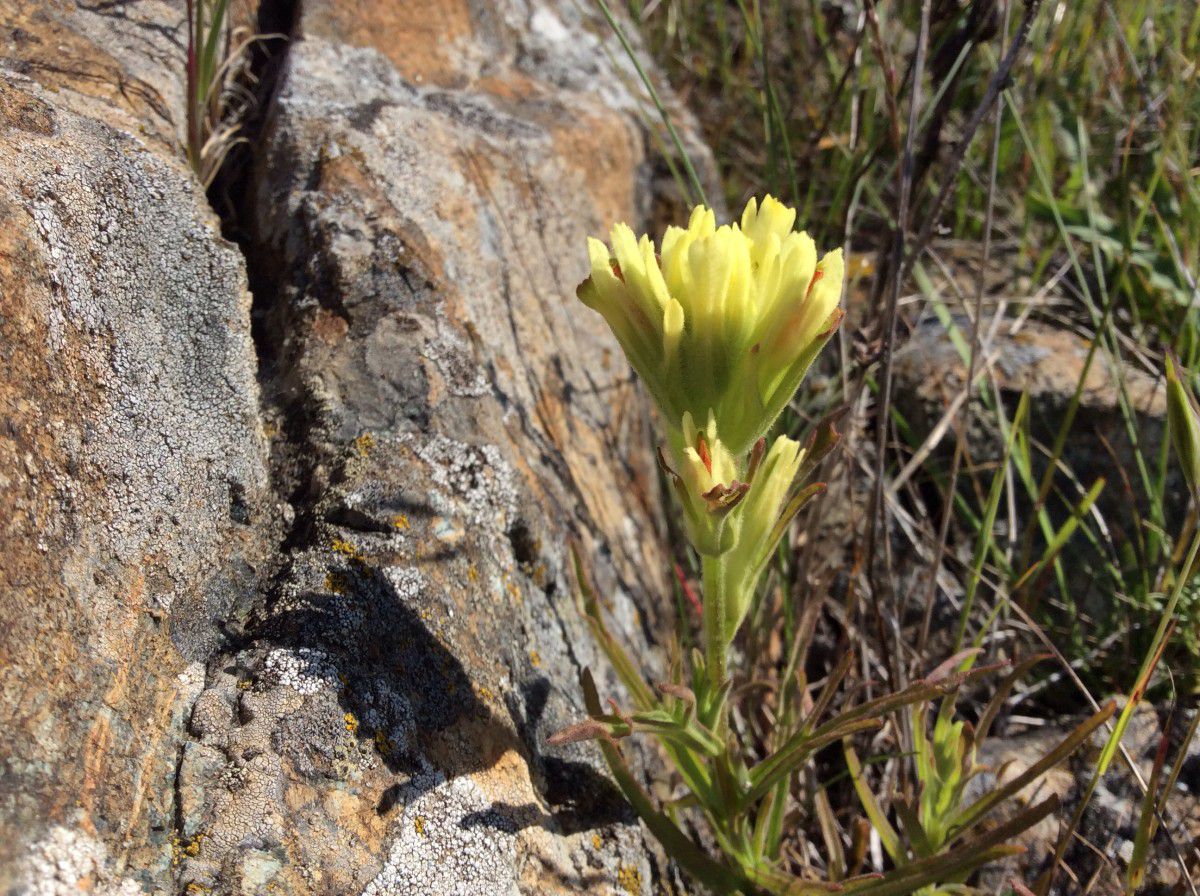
<point x="715" y="600"/>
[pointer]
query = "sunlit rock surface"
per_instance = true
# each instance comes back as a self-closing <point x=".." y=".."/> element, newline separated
<point x="286" y="603"/>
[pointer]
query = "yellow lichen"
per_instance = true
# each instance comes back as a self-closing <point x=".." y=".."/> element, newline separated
<point x="363" y="444"/>
<point x="629" y="879"/>
<point x="511" y="587"/>
<point x="473" y="573"/>
<point x="596" y="841"/>
<point x="346" y="549"/>
<point x="400" y="522"/>
<point x="419" y="825"/>
<point x="535" y="659"/>
<point x="181" y="849"/>
<point x="351" y="722"/>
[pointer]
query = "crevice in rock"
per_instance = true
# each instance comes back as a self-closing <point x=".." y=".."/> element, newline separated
<point x="233" y="197"/>
<point x="231" y="191"/>
<point x="178" y="822"/>
<point x="236" y="195"/>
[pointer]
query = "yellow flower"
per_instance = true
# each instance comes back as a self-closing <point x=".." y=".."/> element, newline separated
<point x="731" y="507"/>
<point x="723" y="320"/>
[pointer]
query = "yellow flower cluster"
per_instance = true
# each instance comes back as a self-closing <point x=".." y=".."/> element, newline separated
<point x="722" y="323"/>
<point x="722" y="320"/>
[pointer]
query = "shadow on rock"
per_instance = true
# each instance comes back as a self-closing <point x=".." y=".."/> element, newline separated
<point x="409" y="700"/>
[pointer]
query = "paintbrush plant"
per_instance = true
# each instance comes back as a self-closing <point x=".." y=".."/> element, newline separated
<point x="721" y="324"/>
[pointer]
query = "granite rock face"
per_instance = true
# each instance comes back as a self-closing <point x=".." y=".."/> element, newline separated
<point x="294" y="613"/>
<point x="135" y="511"/>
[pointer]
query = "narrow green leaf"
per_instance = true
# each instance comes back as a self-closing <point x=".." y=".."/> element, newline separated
<point x="875" y="814"/>
<point x="1135" y="874"/>
<point x="783" y="762"/>
<point x="957" y="862"/>
<point x="716" y="877"/>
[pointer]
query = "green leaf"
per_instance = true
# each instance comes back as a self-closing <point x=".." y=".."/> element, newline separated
<point x="875" y="814"/>
<point x="784" y="761"/>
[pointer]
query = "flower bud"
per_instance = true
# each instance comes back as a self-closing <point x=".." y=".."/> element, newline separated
<point x="760" y="516"/>
<point x="707" y="486"/>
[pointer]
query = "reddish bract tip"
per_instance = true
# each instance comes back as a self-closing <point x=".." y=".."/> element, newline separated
<point x="702" y="450"/>
<point x="616" y="269"/>
<point x="817" y="275"/>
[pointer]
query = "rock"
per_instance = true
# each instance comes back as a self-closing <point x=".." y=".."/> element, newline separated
<point x="1098" y="855"/>
<point x="135" y="512"/>
<point x="313" y="641"/>
<point x="1046" y="362"/>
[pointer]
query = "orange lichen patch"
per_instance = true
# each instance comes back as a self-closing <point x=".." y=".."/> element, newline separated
<point x="513" y="590"/>
<point x="185" y="848"/>
<point x="601" y="148"/>
<point x="400" y="522"/>
<point x="485" y="693"/>
<point x="423" y="40"/>
<point x="351" y="722"/>
<point x="419" y="824"/>
<point x="596" y="841"/>
<point x="346" y="549"/>
<point x="535" y="659"/>
<point x="629" y="879"/>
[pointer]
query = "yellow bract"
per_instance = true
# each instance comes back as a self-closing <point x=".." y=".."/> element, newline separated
<point x="723" y="320"/>
<point x="707" y="485"/>
<point x="759" y="517"/>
